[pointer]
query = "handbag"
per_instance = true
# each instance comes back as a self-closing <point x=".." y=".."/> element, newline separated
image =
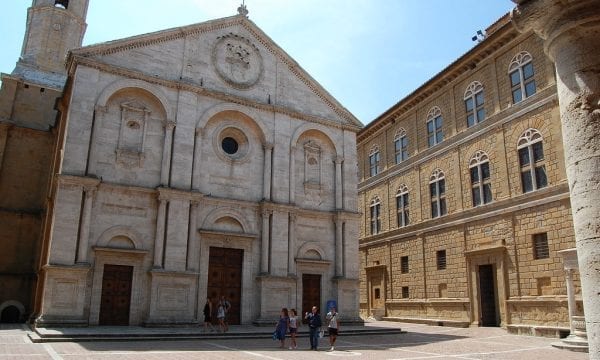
<point x="321" y="333"/>
<point x="275" y="335"/>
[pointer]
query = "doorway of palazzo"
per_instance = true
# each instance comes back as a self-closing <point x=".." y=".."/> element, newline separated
<point x="487" y="295"/>
<point x="225" y="278"/>
<point x="311" y="293"/>
<point x="115" y="300"/>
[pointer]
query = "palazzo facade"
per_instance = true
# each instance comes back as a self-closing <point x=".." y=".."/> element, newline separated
<point x="464" y="195"/>
<point x="190" y="163"/>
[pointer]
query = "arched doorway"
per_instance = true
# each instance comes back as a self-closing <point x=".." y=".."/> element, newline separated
<point x="11" y="315"/>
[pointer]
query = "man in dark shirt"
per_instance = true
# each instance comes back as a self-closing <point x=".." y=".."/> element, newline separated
<point x="314" y="325"/>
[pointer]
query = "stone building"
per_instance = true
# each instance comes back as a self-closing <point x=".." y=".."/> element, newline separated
<point x="464" y="195"/>
<point x="27" y="138"/>
<point x="190" y="163"/>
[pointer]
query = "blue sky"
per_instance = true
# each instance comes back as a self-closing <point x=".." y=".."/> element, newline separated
<point x="368" y="54"/>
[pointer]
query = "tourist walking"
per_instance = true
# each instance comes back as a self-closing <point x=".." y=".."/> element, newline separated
<point x="282" y="327"/>
<point x="293" y="329"/>
<point x="226" y="307"/>
<point x="314" y="326"/>
<point x="333" y="327"/>
<point x="221" y="316"/>
<point x="208" y="309"/>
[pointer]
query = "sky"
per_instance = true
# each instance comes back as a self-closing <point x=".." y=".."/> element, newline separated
<point x="368" y="54"/>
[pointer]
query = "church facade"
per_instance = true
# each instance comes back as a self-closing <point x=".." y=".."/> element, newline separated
<point x="195" y="163"/>
<point x="464" y="196"/>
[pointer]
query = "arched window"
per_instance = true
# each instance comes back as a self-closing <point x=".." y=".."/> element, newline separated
<point x="521" y="74"/>
<point x="375" y="216"/>
<point x="474" y="103"/>
<point x="437" y="192"/>
<point x="400" y="146"/>
<point x="481" y="185"/>
<point x="532" y="161"/>
<point x="434" y="126"/>
<point x="64" y="4"/>
<point x="374" y="160"/>
<point x="402" y="206"/>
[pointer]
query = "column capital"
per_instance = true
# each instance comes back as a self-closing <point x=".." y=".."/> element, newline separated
<point x="338" y="159"/>
<point x="268" y="146"/>
<point x="551" y="19"/>
<point x="169" y="125"/>
<point x="198" y="132"/>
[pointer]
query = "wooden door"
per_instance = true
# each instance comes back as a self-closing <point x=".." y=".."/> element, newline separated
<point x="311" y="293"/>
<point x="116" y="295"/>
<point x="225" y="278"/>
<point x="487" y="295"/>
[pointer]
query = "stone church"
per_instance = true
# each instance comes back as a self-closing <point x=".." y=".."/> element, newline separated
<point x="186" y="164"/>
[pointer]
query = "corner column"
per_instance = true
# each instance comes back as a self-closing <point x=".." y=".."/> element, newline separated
<point x="292" y="245"/>
<point x="197" y="160"/>
<point x="84" y="230"/>
<point x="166" y="158"/>
<point x="267" y="173"/>
<point x="264" y="244"/>
<point x="339" y="249"/>
<point x="159" y="239"/>
<point x="571" y="34"/>
<point x="339" y="201"/>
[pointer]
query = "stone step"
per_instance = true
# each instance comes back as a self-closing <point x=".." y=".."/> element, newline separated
<point x="102" y="334"/>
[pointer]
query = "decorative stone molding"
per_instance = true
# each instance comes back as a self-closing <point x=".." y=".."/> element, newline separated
<point x="237" y="61"/>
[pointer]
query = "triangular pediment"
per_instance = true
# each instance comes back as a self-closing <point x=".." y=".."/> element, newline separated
<point x="229" y="56"/>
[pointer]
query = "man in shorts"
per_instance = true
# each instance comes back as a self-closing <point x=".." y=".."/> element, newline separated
<point x="332" y="327"/>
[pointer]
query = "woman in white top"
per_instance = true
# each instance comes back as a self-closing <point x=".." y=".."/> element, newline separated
<point x="333" y="327"/>
<point x="293" y="328"/>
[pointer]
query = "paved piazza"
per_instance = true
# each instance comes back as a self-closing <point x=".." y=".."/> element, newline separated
<point x="420" y="342"/>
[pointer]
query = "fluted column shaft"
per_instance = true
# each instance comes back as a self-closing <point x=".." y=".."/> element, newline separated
<point x="267" y="174"/>
<point x="339" y="201"/>
<point x="571" y="33"/>
<point x="339" y="248"/>
<point x="166" y="159"/>
<point x="292" y="244"/>
<point x="264" y="257"/>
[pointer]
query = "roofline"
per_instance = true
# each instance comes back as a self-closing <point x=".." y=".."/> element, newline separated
<point x="498" y="34"/>
<point x="182" y="31"/>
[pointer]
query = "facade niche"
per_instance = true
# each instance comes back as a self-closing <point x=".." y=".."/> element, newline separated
<point x="312" y="165"/>
<point x="132" y="134"/>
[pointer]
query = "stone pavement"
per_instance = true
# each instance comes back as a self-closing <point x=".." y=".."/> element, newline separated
<point x="418" y="342"/>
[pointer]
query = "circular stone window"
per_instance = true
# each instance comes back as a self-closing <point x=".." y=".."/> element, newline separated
<point x="229" y="145"/>
<point x="232" y="143"/>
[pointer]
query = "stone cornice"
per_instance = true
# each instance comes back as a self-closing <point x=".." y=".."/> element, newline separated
<point x="139" y="41"/>
<point x="83" y="181"/>
<point x="542" y="98"/>
<point x="501" y="36"/>
<point x="185" y="86"/>
<point x="540" y="197"/>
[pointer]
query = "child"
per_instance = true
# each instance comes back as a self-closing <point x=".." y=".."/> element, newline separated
<point x="293" y="328"/>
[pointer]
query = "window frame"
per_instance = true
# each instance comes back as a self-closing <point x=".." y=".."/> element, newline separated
<point x="375" y="216"/>
<point x="481" y="184"/>
<point x="472" y="93"/>
<point x="374" y="159"/>
<point x="402" y="207"/>
<point x="527" y="141"/>
<point x="433" y="116"/>
<point x="404" y="266"/>
<point x="439" y="198"/>
<point x="541" y="248"/>
<point x="517" y="67"/>
<point x="400" y="152"/>
<point x="441" y="259"/>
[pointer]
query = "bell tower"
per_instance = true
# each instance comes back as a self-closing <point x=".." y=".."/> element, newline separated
<point x="53" y="28"/>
